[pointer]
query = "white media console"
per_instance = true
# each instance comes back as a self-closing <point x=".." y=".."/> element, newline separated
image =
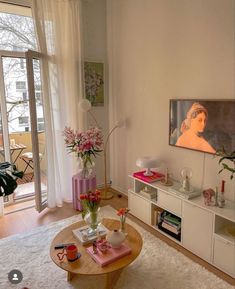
<point x="205" y="230"/>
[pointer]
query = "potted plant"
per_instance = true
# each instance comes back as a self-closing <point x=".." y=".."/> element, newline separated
<point x="8" y="176"/>
<point x="224" y="155"/>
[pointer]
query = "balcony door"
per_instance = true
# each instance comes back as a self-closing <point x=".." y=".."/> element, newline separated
<point x="22" y="122"/>
<point x="33" y="60"/>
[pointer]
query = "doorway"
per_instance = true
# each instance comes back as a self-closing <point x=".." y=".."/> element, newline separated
<point x="23" y="124"/>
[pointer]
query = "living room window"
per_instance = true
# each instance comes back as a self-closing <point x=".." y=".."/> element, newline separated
<point x="21" y="98"/>
<point x="16" y="28"/>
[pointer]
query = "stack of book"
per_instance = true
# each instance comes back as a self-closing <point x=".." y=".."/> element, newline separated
<point x="82" y="234"/>
<point x="156" y="216"/>
<point x="171" y="224"/>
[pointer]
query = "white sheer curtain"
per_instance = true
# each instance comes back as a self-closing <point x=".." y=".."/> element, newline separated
<point x="57" y="23"/>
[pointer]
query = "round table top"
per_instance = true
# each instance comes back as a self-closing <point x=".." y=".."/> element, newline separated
<point x="86" y="265"/>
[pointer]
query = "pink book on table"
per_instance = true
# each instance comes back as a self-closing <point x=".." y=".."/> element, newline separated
<point x="110" y="255"/>
<point x="149" y="179"/>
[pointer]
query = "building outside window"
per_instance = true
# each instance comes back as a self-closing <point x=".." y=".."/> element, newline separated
<point x="20" y="85"/>
<point x="23" y="120"/>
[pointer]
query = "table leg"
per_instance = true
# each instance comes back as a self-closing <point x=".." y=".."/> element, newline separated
<point x="17" y="156"/>
<point x="2" y="153"/>
<point x="70" y="276"/>
<point x="111" y="279"/>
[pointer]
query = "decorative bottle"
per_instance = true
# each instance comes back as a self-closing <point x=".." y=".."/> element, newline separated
<point x="221" y="197"/>
<point x="216" y="197"/>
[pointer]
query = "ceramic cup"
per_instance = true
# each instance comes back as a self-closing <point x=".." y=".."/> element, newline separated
<point x="71" y="252"/>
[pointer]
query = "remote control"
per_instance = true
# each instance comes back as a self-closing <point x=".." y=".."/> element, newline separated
<point x="61" y="246"/>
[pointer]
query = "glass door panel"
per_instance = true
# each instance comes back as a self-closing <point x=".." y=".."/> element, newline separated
<point x="37" y="128"/>
<point x="2" y="149"/>
<point x="22" y="124"/>
<point x="17" y="108"/>
<point x="2" y="152"/>
<point x="40" y="127"/>
<point x="17" y="120"/>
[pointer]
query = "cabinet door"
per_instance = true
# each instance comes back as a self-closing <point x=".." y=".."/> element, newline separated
<point x="168" y="202"/>
<point x="224" y="256"/>
<point x="139" y="207"/>
<point x="197" y="229"/>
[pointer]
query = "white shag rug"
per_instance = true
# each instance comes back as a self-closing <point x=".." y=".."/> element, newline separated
<point x="157" y="267"/>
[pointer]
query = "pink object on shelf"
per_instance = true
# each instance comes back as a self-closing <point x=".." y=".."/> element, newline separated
<point x="81" y="186"/>
<point x="110" y="256"/>
<point x="149" y="179"/>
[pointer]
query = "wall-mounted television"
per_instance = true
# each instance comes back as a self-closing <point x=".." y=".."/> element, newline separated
<point x="202" y="125"/>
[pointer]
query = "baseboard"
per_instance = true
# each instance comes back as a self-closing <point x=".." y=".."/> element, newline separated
<point x="119" y="191"/>
<point x="114" y="189"/>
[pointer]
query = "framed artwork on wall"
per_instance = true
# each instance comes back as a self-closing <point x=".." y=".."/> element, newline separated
<point x="202" y="125"/>
<point x="94" y="82"/>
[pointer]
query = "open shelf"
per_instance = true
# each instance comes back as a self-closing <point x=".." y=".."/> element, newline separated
<point x="156" y="211"/>
<point x="225" y="229"/>
<point x="175" y="236"/>
<point x="161" y="221"/>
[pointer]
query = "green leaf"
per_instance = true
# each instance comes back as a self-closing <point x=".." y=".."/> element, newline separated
<point x="8" y="177"/>
<point x="18" y="174"/>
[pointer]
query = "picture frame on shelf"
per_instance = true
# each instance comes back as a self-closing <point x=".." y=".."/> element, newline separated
<point x="94" y="82"/>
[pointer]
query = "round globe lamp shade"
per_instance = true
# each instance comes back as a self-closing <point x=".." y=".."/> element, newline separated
<point x="84" y="105"/>
<point x="147" y="163"/>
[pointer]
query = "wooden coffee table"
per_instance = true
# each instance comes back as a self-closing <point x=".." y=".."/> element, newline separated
<point x="86" y="265"/>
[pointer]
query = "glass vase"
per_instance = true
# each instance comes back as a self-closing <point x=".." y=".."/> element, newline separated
<point x="123" y="227"/>
<point x="93" y="220"/>
<point x="88" y="170"/>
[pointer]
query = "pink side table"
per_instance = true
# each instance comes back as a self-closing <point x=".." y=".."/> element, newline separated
<point x="81" y="186"/>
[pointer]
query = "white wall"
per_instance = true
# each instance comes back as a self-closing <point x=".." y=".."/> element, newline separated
<point x="163" y="49"/>
<point x="94" y="36"/>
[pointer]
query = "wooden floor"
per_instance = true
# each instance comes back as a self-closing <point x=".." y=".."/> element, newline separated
<point x="24" y="221"/>
<point x="27" y="178"/>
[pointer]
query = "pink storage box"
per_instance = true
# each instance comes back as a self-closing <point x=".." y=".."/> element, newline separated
<point x="81" y="186"/>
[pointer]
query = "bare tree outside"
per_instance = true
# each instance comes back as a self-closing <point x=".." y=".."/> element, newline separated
<point x="17" y="34"/>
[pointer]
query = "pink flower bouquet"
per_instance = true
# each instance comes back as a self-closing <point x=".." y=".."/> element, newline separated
<point x="84" y="144"/>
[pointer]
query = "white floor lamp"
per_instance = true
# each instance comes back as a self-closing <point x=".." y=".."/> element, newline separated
<point x="106" y="194"/>
<point x="85" y="105"/>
